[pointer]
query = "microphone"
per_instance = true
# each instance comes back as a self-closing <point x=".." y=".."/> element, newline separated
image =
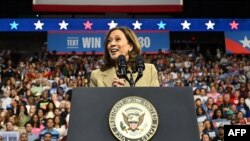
<point x="122" y="67"/>
<point x="140" y="66"/>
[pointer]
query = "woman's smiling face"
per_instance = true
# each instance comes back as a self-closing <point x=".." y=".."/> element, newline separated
<point x="118" y="45"/>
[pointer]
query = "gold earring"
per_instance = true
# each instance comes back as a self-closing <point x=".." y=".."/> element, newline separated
<point x="129" y="52"/>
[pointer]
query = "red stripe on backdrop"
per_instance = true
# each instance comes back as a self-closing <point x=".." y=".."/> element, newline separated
<point x="107" y="8"/>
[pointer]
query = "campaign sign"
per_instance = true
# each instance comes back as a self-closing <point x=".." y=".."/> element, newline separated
<point x="201" y="118"/>
<point x="93" y="41"/>
<point x="237" y="132"/>
<point x="10" y="136"/>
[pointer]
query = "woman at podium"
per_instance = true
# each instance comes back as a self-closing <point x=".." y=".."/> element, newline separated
<point x="123" y="65"/>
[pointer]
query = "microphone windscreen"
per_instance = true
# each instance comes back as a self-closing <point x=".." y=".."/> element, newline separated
<point x="121" y="58"/>
<point x="122" y="61"/>
<point x="122" y="66"/>
<point x="139" y="62"/>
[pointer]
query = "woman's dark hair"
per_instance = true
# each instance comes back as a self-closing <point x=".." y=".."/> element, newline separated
<point x="69" y="93"/>
<point x="40" y="109"/>
<point x="47" y="108"/>
<point x="61" y="121"/>
<point x="211" y="124"/>
<point x="244" y="105"/>
<point x="197" y="111"/>
<point x="132" y="40"/>
<point x="54" y="85"/>
<point x="18" y="110"/>
<point x="60" y="90"/>
<point x="215" y="115"/>
<point x="38" y="123"/>
<point x="210" y="139"/>
<point x="196" y="90"/>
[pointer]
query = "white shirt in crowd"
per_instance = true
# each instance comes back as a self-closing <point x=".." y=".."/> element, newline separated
<point x="247" y="101"/>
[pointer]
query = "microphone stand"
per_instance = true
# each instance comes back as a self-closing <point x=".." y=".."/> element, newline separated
<point x="138" y="77"/>
<point x="131" y="81"/>
<point x="139" y="67"/>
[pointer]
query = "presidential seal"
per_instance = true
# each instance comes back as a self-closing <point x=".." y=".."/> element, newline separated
<point x="133" y="119"/>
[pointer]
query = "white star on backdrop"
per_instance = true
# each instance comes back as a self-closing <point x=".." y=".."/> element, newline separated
<point x="245" y="42"/>
<point x="185" y="25"/>
<point x="63" y="25"/>
<point x="112" y="24"/>
<point x="210" y="25"/>
<point x="137" y="25"/>
<point x="39" y="25"/>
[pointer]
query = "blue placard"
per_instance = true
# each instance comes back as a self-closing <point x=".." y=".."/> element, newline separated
<point x="89" y="41"/>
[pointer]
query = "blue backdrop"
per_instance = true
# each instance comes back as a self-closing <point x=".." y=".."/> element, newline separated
<point x="86" y="41"/>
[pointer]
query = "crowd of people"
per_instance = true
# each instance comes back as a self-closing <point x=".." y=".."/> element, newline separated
<point x="36" y="90"/>
<point x="221" y="87"/>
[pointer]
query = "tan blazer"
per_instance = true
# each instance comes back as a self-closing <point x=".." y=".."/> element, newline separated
<point x="105" y="78"/>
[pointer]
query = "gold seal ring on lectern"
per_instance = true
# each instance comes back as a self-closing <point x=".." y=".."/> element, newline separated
<point x="133" y="119"/>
